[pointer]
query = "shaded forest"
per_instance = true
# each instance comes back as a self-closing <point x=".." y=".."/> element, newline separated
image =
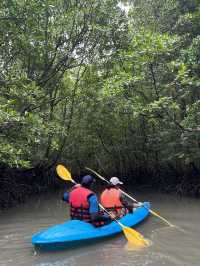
<point x="105" y="84"/>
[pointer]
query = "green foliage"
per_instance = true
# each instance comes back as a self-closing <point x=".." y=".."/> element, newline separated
<point x="86" y="83"/>
<point x="44" y="45"/>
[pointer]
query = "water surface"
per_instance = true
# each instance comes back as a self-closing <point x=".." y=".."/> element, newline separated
<point x="169" y="246"/>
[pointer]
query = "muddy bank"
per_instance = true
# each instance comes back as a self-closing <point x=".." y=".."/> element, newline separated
<point x="17" y="185"/>
<point x="168" y="179"/>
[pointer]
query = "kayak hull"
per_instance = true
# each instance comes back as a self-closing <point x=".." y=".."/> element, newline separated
<point x="74" y="232"/>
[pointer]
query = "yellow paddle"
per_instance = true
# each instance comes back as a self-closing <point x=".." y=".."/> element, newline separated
<point x="152" y="212"/>
<point x="131" y="235"/>
<point x="64" y="173"/>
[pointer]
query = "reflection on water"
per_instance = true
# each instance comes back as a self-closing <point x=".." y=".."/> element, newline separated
<point x="170" y="246"/>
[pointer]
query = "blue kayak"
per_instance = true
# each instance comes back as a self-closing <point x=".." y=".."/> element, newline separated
<point x="75" y="232"/>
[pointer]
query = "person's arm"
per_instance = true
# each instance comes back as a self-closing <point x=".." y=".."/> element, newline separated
<point x="94" y="210"/>
<point x="123" y="201"/>
<point x="66" y="194"/>
<point x="66" y="197"/>
<point x="93" y="204"/>
<point x="128" y="206"/>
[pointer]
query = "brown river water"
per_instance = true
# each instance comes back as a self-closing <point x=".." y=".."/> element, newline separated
<point x="169" y="246"/>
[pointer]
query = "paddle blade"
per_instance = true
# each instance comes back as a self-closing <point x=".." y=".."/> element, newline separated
<point x="63" y="173"/>
<point x="135" y="237"/>
<point x="156" y="214"/>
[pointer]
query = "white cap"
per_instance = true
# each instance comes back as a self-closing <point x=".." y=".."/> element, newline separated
<point x="115" y="181"/>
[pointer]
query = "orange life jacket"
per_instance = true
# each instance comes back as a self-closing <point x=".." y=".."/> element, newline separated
<point x="110" y="199"/>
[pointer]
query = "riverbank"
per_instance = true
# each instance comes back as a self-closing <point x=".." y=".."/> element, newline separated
<point x="17" y="185"/>
<point x="168" y="179"/>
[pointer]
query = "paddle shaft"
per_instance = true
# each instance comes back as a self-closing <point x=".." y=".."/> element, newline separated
<point x="101" y="177"/>
<point x="127" y="195"/>
<point x="120" y="224"/>
<point x="109" y="214"/>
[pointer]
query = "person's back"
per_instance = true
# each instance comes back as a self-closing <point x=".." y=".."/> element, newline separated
<point x="84" y="203"/>
<point x="111" y="199"/>
<point x="79" y="203"/>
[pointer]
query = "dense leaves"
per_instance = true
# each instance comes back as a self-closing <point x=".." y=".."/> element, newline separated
<point x="110" y="85"/>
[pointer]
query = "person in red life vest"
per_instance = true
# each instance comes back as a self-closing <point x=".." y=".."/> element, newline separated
<point x="113" y="201"/>
<point x="84" y="203"/>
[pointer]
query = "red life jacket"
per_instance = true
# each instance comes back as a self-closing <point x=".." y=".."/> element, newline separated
<point x="78" y="199"/>
<point x="110" y="199"/>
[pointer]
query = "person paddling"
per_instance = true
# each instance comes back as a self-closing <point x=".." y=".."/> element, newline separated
<point x="113" y="201"/>
<point x="84" y="204"/>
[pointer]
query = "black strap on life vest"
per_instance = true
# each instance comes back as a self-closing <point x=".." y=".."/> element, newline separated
<point x="120" y="211"/>
<point x="80" y="213"/>
<point x="84" y="215"/>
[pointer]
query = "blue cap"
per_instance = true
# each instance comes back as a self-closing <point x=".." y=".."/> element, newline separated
<point x="87" y="179"/>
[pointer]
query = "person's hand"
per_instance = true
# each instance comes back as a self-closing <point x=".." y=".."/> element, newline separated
<point x="138" y="204"/>
<point x="112" y="216"/>
<point x="77" y="185"/>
